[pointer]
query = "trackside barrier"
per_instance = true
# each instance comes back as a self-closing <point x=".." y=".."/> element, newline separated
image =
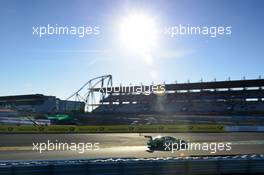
<point x="112" y="129"/>
<point x="228" y="165"/>
<point x="128" y="129"/>
<point x="244" y="128"/>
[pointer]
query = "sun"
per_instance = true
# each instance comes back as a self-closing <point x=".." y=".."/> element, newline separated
<point x="138" y="33"/>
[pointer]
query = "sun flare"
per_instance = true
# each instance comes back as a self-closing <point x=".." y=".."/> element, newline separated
<point x="139" y="33"/>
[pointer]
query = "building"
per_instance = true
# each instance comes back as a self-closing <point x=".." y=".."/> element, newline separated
<point x="217" y="97"/>
<point x="38" y="103"/>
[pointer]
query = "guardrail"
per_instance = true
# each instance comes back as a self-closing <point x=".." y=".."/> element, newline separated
<point x="245" y="164"/>
<point x="129" y="129"/>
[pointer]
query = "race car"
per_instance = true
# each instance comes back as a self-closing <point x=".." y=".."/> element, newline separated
<point x="165" y="143"/>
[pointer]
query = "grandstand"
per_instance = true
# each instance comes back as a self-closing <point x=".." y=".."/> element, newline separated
<point x="217" y="97"/>
<point x="38" y="103"/>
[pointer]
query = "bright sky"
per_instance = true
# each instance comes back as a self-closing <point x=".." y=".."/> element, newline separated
<point x="59" y="65"/>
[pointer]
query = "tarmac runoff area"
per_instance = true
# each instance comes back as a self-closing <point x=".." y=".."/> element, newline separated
<point x="20" y="146"/>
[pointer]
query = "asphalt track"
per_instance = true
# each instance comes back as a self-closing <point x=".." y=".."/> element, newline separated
<point x="20" y="146"/>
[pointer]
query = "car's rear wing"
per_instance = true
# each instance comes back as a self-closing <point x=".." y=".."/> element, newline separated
<point x="149" y="137"/>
